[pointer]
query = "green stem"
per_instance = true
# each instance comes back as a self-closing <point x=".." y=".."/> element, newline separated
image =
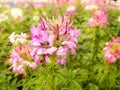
<point x="53" y="77"/>
<point x="45" y="85"/>
<point x="118" y="31"/>
<point x="95" y="44"/>
<point x="53" y="80"/>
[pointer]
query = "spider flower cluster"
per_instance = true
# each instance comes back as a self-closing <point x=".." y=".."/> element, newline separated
<point x="99" y="18"/>
<point x="51" y="41"/>
<point x="112" y="50"/>
<point x="54" y="38"/>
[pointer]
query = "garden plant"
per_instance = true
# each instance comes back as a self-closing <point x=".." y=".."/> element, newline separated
<point x="62" y="45"/>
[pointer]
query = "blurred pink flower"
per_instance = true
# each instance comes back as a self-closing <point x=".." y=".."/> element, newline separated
<point x="20" y="58"/>
<point x="69" y="13"/>
<point x="112" y="50"/>
<point x="70" y="10"/>
<point x="99" y="18"/>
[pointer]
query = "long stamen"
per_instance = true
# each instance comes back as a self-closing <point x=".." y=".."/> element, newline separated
<point x="62" y="19"/>
<point x="57" y="32"/>
<point x="43" y="24"/>
<point x="66" y="28"/>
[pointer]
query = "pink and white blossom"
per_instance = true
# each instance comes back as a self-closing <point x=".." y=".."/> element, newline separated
<point x="112" y="50"/>
<point x="20" y="59"/>
<point x="51" y="41"/>
<point x="99" y="18"/>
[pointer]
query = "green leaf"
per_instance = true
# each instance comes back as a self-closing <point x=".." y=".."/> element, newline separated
<point x="93" y="86"/>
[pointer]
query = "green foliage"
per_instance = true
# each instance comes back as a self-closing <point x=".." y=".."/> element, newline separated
<point x="82" y="72"/>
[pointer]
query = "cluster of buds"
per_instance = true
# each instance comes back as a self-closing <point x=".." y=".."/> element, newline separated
<point x="99" y="18"/>
<point x="51" y="40"/>
<point x="112" y="50"/>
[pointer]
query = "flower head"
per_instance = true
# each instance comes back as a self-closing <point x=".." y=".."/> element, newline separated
<point x="54" y="37"/>
<point x="20" y="59"/>
<point x="99" y="18"/>
<point x="112" y="50"/>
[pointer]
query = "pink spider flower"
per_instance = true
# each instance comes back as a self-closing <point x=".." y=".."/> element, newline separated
<point x="54" y="38"/>
<point x="20" y="59"/>
<point x="112" y="50"/>
<point x="99" y="18"/>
